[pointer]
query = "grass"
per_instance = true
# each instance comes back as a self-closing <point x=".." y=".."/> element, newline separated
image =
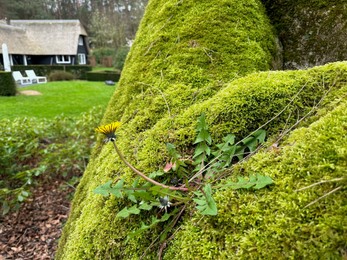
<point x="70" y="98"/>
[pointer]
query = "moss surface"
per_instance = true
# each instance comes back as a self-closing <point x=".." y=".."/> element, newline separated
<point x="183" y="57"/>
<point x="264" y="94"/>
<point x="313" y="32"/>
<point x="273" y="223"/>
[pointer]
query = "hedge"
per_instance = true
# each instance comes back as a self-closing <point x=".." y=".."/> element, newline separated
<point x="103" y="76"/>
<point x="7" y="84"/>
<point x="79" y="71"/>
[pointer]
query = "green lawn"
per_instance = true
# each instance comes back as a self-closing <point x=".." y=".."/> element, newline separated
<point x="62" y="97"/>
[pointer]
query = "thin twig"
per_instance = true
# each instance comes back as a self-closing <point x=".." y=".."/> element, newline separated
<point x="173" y="223"/>
<point x="143" y="175"/>
<point x="162" y="94"/>
<point x="322" y="197"/>
<point x="321" y="182"/>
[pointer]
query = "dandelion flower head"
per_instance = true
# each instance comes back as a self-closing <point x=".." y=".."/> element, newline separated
<point x="164" y="203"/>
<point x="109" y="130"/>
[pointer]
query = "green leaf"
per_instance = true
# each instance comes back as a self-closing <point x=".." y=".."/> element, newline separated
<point x="144" y="227"/>
<point x="203" y="136"/>
<point x="228" y="141"/>
<point x="116" y="189"/>
<point x="5" y="208"/>
<point x="134" y="210"/>
<point x="159" y="190"/>
<point x="251" y="142"/>
<point x="260" y="135"/>
<point x="152" y="175"/>
<point x="172" y="151"/>
<point x="106" y="189"/>
<point x="125" y="212"/>
<point x="20" y="198"/>
<point x="240" y="151"/>
<point x="256" y="182"/>
<point x="145" y="206"/>
<point x="143" y="195"/>
<point x="202" y="123"/>
<point x="206" y="204"/>
<point x="202" y="148"/>
<point x="262" y="181"/>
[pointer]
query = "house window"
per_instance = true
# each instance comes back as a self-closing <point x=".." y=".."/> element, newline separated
<point x="82" y="58"/>
<point x="63" y="59"/>
<point x="80" y="41"/>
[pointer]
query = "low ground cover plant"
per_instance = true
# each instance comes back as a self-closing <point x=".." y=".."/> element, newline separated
<point x="31" y="148"/>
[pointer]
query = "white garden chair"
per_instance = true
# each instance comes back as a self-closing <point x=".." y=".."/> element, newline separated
<point x="35" y="79"/>
<point x="19" y="79"/>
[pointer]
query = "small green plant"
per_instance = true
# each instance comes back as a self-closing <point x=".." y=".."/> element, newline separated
<point x="30" y="148"/>
<point x="7" y="84"/>
<point x="60" y="75"/>
<point x="192" y="182"/>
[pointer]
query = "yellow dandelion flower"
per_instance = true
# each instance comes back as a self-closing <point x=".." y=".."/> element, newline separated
<point x="109" y="130"/>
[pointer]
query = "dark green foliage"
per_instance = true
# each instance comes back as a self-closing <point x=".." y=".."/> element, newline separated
<point x="120" y="58"/>
<point x="103" y="76"/>
<point x="60" y="75"/>
<point x="79" y="71"/>
<point x="100" y="53"/>
<point x="33" y="147"/>
<point x="7" y="84"/>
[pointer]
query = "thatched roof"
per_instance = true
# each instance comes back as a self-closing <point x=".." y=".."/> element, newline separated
<point x="42" y="37"/>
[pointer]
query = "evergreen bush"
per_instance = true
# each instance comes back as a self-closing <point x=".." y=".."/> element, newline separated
<point x="79" y="71"/>
<point x="7" y="84"/>
<point x="60" y="75"/>
<point x="103" y="76"/>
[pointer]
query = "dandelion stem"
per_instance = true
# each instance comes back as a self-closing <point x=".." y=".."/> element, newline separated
<point x="143" y="175"/>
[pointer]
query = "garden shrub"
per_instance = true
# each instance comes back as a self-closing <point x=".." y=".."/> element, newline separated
<point x="30" y="147"/>
<point x="79" y="71"/>
<point x="120" y="57"/>
<point x="103" y="76"/>
<point x="60" y="75"/>
<point x="100" y="53"/>
<point x="7" y="84"/>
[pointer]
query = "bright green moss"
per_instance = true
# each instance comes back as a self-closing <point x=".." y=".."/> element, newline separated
<point x="184" y="54"/>
<point x="242" y="106"/>
<point x="273" y="223"/>
<point x="194" y="44"/>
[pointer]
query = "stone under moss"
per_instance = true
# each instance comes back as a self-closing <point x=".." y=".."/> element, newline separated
<point x="273" y="223"/>
<point x="173" y="73"/>
<point x="97" y="222"/>
<point x="312" y="32"/>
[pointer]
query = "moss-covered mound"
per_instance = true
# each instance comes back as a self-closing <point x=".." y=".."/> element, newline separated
<point x="313" y="32"/>
<point x="283" y="97"/>
<point x="274" y="223"/>
<point x="184" y="51"/>
<point x="183" y="57"/>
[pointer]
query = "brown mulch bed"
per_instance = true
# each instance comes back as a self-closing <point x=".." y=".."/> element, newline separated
<point x="34" y="230"/>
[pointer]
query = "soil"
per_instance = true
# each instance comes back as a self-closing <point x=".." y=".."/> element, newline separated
<point x="30" y="93"/>
<point x="33" y="231"/>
